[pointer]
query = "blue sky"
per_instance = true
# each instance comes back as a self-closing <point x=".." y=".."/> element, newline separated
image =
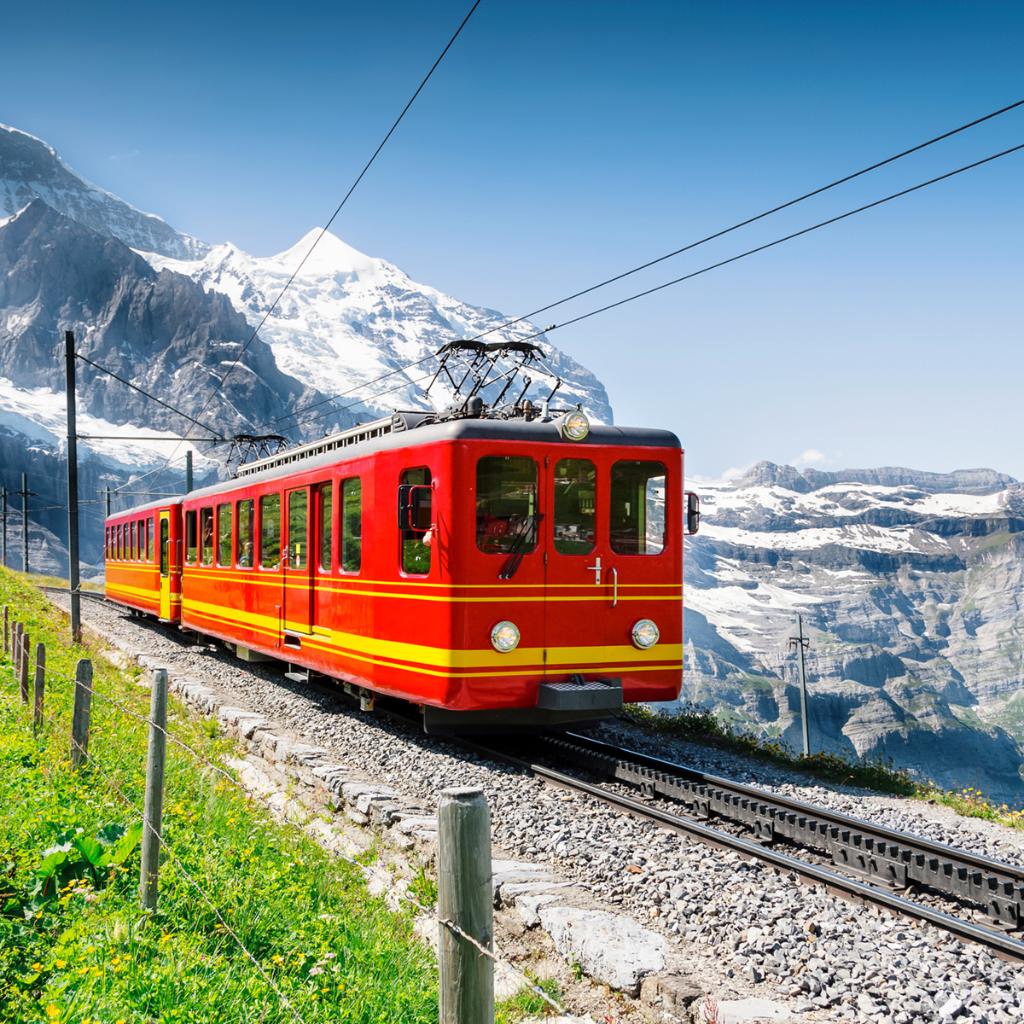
<point x="564" y="141"/>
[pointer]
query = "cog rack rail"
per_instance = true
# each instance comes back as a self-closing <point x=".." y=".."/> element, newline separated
<point x="873" y="852"/>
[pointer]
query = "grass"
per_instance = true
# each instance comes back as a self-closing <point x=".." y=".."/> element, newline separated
<point x="700" y="725"/>
<point x="77" y="948"/>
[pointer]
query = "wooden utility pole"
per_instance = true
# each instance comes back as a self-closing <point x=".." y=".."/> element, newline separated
<point x="74" y="570"/>
<point x="465" y="908"/>
<point x="801" y="643"/>
<point x="153" y="810"/>
<point x="107" y="496"/>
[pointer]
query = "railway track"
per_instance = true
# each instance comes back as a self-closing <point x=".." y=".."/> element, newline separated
<point x="871" y="864"/>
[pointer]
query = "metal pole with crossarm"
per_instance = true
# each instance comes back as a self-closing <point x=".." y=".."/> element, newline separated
<point x="801" y="643"/>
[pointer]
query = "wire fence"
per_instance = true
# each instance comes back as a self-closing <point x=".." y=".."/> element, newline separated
<point x="460" y="961"/>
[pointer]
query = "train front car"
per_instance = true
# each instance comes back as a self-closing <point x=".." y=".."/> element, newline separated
<point x="564" y="550"/>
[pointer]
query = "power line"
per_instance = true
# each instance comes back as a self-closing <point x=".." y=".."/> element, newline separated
<point x="398" y="120"/>
<point x="751" y="220"/>
<point x="152" y="398"/>
<point x="686" y="248"/>
<point x="355" y="184"/>
<point x="350" y="391"/>
<point x="777" y="241"/>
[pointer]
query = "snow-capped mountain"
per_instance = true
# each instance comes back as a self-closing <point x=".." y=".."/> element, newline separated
<point x="349" y="318"/>
<point x="911" y="586"/>
<point x="31" y="169"/>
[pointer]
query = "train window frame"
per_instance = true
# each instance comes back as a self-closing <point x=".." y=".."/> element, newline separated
<point x="131" y="541"/>
<point x="507" y="538"/>
<point x="150" y="531"/>
<point x="207" y="543"/>
<point x="407" y="535"/>
<point x="117" y="555"/>
<point x="191" y="536"/>
<point x="345" y="535"/>
<point x="219" y="550"/>
<point x="264" y="499"/>
<point x="558" y="514"/>
<point x="613" y="542"/>
<point x="240" y="540"/>
<point x="321" y="489"/>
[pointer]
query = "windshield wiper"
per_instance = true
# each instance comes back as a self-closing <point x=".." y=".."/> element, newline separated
<point x="526" y="532"/>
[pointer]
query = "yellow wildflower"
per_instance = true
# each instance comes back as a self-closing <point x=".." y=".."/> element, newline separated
<point x="61" y="964"/>
<point x="37" y="966"/>
<point x="52" y="1012"/>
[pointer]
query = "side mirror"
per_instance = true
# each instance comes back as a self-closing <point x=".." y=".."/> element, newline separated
<point x="415" y="507"/>
<point x="692" y="512"/>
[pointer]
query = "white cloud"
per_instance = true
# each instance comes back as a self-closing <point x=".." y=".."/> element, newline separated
<point x="810" y="457"/>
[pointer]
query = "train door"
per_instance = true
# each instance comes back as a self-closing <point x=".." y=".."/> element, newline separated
<point x="165" y="565"/>
<point x="298" y="565"/>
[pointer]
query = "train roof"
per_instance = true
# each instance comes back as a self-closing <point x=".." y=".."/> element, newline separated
<point x="408" y="431"/>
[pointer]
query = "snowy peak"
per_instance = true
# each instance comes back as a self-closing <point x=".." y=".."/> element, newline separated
<point x="31" y="169"/>
<point x="348" y="319"/>
<point x="330" y="257"/>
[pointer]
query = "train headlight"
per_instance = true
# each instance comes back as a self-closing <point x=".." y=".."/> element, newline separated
<point x="505" y="637"/>
<point x="645" y="634"/>
<point x="575" y="426"/>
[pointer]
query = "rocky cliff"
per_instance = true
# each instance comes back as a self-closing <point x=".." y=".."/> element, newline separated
<point x="911" y="588"/>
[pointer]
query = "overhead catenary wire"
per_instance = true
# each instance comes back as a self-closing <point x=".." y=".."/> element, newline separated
<point x="778" y="241"/>
<point x="355" y="184"/>
<point x="151" y="397"/>
<point x="753" y="219"/>
<point x="690" y="245"/>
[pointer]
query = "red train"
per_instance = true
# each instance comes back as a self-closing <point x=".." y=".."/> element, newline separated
<point x="514" y="571"/>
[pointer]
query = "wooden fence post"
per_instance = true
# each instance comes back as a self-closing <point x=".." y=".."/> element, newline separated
<point x="465" y="900"/>
<point x="26" y="643"/>
<point x="40" y="683"/>
<point x="16" y="646"/>
<point x="82" y="712"/>
<point x="153" y="811"/>
<point x="7" y="623"/>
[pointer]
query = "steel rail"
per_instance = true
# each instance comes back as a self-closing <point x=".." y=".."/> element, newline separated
<point x="998" y="941"/>
<point x="835" y="817"/>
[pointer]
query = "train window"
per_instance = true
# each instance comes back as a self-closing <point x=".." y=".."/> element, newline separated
<point x="270" y="531"/>
<point x="298" y="528"/>
<point x="190" y="537"/>
<point x="206" y="536"/>
<point x="164" y="546"/>
<point x="575" y="506"/>
<point x="117" y="553"/>
<point x="131" y="542"/>
<point x="106" y="542"/>
<point x="415" y="525"/>
<point x="352" y="525"/>
<point x="506" y="504"/>
<point x="325" y="517"/>
<point x="243" y="548"/>
<point x="638" y="508"/>
<point x="224" y="534"/>
<point x="149" y="539"/>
